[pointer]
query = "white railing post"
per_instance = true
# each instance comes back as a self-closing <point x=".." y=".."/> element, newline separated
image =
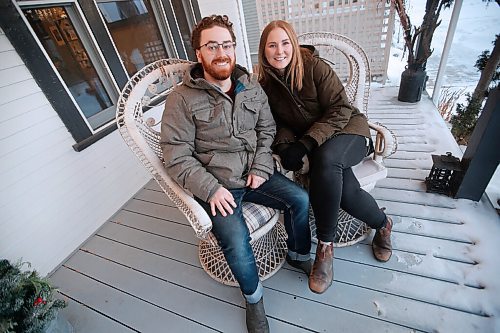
<point x="446" y="50"/>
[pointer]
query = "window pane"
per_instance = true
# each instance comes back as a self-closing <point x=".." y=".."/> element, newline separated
<point x="60" y="40"/>
<point x="134" y="30"/>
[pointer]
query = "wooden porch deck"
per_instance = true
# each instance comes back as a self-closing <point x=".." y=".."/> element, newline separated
<point x="141" y="273"/>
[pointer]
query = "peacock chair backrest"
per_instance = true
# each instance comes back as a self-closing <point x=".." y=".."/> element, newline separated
<point x="340" y="51"/>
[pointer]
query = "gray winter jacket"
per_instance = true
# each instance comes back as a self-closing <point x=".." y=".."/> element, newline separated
<point x="208" y="141"/>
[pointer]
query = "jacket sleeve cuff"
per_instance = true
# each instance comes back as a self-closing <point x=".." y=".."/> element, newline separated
<point x="308" y="142"/>
<point x="206" y="196"/>
<point x="260" y="173"/>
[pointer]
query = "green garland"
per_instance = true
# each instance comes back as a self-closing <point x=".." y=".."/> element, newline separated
<point x="27" y="302"/>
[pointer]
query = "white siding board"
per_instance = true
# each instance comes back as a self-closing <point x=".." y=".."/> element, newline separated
<point x="26" y="136"/>
<point x="51" y="197"/>
<point x="22" y="105"/>
<point x="33" y="169"/>
<point x="67" y="171"/>
<point x="18" y="90"/>
<point x="83" y="218"/>
<point x="36" y="151"/>
<point x="14" y="74"/>
<point x="9" y="59"/>
<point x="5" y="45"/>
<point x="25" y="121"/>
<point x="75" y="204"/>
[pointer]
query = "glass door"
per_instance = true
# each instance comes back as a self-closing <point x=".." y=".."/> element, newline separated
<point x="70" y="50"/>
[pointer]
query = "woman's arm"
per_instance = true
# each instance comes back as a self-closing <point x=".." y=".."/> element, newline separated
<point x="332" y="99"/>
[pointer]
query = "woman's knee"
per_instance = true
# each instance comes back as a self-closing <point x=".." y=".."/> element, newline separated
<point x="326" y="157"/>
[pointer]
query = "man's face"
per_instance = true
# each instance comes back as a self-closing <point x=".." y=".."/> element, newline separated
<point x="218" y="65"/>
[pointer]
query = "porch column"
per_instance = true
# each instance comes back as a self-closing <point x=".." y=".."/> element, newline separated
<point x="482" y="155"/>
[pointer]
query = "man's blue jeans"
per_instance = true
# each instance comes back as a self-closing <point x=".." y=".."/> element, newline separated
<point x="234" y="238"/>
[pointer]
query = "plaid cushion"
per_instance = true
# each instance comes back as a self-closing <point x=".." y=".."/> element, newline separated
<point x="256" y="215"/>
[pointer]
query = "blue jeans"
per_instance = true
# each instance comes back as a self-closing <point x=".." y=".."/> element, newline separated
<point x="233" y="236"/>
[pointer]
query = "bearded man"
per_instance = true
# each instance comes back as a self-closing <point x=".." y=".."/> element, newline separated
<point x="216" y="136"/>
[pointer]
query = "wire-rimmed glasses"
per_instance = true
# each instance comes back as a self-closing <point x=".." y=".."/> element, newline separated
<point x="227" y="47"/>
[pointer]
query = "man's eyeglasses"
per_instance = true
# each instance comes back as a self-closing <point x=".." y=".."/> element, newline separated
<point x="212" y="47"/>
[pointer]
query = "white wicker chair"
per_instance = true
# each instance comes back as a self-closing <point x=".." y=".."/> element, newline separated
<point x="335" y="48"/>
<point x="144" y="96"/>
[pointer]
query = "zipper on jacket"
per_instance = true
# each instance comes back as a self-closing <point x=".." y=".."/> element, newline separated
<point x="297" y="104"/>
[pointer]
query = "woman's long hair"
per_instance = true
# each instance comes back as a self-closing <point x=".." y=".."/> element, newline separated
<point x="296" y="66"/>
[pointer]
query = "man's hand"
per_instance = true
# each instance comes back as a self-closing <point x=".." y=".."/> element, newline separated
<point x="254" y="181"/>
<point x="222" y="200"/>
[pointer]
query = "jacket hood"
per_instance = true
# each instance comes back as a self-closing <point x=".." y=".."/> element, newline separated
<point x="311" y="48"/>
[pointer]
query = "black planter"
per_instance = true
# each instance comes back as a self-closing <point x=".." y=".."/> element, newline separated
<point x="412" y="84"/>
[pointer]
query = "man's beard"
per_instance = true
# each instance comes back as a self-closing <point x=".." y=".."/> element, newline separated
<point x="219" y="73"/>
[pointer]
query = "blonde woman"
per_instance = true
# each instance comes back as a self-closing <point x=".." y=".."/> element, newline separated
<point x="314" y="118"/>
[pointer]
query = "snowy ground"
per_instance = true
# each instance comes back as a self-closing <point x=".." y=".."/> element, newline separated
<point x="477" y="26"/>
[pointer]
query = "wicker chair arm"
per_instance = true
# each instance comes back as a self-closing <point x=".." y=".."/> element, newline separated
<point x="386" y="142"/>
<point x="192" y="210"/>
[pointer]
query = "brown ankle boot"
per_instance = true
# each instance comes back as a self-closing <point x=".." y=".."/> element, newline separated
<point x="322" y="271"/>
<point x="381" y="244"/>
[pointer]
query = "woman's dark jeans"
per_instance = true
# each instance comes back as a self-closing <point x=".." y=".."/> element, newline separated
<point x="333" y="185"/>
<point x="233" y="236"/>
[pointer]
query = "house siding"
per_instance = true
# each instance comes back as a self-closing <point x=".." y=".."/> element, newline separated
<point x="51" y="197"/>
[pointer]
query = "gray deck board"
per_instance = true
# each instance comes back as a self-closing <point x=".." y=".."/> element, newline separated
<point x="116" y="301"/>
<point x="140" y="272"/>
<point x="85" y="319"/>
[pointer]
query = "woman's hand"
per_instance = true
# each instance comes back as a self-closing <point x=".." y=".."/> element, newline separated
<point x="291" y="157"/>
<point x="222" y="200"/>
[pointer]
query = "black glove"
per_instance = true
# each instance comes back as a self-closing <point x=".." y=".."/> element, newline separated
<point x="291" y="157"/>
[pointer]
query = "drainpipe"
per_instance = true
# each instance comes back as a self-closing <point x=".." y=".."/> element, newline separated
<point x="446" y="50"/>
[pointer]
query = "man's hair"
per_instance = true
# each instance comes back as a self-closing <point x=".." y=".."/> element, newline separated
<point x="207" y="23"/>
<point x="296" y="65"/>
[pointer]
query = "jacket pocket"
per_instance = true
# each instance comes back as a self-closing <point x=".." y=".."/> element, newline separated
<point x="203" y="115"/>
<point x="248" y="115"/>
<point x="210" y="123"/>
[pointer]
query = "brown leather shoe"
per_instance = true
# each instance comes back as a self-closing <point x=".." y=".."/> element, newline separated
<point x="381" y="244"/>
<point x="322" y="271"/>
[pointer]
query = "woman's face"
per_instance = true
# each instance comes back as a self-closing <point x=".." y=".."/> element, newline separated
<point x="278" y="49"/>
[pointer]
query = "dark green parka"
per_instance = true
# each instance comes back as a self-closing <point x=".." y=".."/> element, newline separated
<point x="320" y="110"/>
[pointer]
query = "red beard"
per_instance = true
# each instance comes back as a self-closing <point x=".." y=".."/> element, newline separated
<point x="218" y="73"/>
